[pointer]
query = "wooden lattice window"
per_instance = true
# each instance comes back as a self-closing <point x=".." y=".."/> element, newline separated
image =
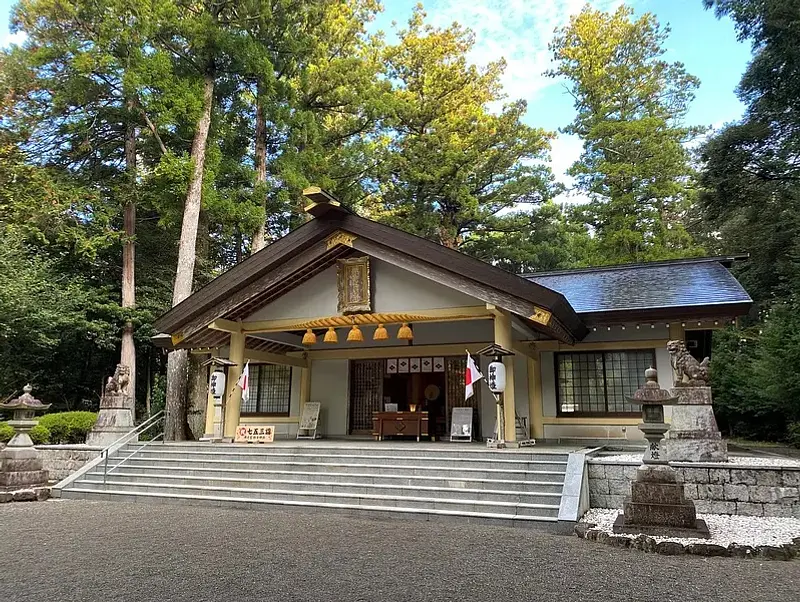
<point x="270" y="390"/>
<point x="366" y="382"/>
<point x="596" y="382"/>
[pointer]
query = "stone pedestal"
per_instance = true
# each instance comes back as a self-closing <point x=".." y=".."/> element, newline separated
<point x="657" y="506"/>
<point x="21" y="468"/>
<point x="113" y="420"/>
<point x="694" y="435"/>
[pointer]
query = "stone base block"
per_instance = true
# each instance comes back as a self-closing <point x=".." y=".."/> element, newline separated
<point x="664" y="515"/>
<point x="114" y="418"/>
<point x="107" y="436"/>
<point x="657" y="493"/>
<point x="24" y="479"/>
<point x="698" y="529"/>
<point x="697" y="450"/>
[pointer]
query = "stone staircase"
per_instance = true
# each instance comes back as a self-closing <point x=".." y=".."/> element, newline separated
<point x="512" y="487"/>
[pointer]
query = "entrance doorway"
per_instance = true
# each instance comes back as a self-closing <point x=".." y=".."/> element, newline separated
<point x="376" y="382"/>
<point x="421" y="392"/>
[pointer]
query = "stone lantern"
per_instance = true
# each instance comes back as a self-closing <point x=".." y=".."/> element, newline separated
<point x="657" y="504"/>
<point x="20" y="466"/>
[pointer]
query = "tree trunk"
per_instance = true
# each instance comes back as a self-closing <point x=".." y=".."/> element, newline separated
<point x="197" y="395"/>
<point x="175" y="425"/>
<point x="128" y="353"/>
<point x="260" y="235"/>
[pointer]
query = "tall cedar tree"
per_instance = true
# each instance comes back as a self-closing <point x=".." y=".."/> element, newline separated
<point x="455" y="161"/>
<point x="630" y="104"/>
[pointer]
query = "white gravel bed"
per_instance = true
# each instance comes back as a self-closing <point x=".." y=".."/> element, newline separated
<point x="725" y="530"/>
<point x="732" y="460"/>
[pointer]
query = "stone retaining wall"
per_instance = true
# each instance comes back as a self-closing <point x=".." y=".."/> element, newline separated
<point x="62" y="460"/>
<point x="715" y="488"/>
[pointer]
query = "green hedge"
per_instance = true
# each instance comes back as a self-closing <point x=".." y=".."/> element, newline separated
<point x="6" y="432"/>
<point x="68" y="427"/>
<point x="40" y="435"/>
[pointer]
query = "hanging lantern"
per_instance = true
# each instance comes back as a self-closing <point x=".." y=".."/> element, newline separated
<point x="218" y="384"/>
<point x="355" y="336"/>
<point x="381" y="334"/>
<point x="309" y="338"/>
<point x="331" y="336"/>
<point x="405" y="333"/>
<point x="496" y="376"/>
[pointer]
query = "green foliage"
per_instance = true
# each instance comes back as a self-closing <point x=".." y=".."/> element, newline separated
<point x="6" y="432"/>
<point x="630" y="105"/>
<point x="40" y="435"/>
<point x="455" y="162"/>
<point x="794" y="434"/>
<point x="68" y="427"/>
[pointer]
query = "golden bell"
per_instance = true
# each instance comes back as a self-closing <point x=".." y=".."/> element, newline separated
<point x="381" y="334"/>
<point x="355" y="336"/>
<point x="309" y="338"/>
<point x="331" y="336"/>
<point x="405" y="332"/>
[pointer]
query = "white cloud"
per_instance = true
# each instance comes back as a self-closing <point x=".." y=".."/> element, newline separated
<point x="13" y="38"/>
<point x="565" y="150"/>
<point x="517" y="30"/>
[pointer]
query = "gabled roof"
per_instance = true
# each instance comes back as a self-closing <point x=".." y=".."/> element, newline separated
<point x="302" y="253"/>
<point x="689" y="287"/>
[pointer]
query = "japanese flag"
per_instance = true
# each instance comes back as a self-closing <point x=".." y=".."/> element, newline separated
<point x="244" y="381"/>
<point x="473" y="375"/>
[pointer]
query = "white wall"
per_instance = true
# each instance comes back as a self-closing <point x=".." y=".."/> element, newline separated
<point x="330" y="386"/>
<point x="397" y="289"/>
<point x="394" y="289"/>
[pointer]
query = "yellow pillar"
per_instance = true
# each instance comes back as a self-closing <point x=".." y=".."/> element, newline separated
<point x="305" y="385"/>
<point x="233" y="399"/>
<point x="535" y="407"/>
<point x="503" y="337"/>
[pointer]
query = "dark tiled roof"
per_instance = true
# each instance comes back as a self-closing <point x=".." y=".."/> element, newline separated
<point x="685" y="283"/>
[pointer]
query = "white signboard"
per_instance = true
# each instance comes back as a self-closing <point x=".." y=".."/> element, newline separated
<point x="248" y="433"/>
<point x="461" y="424"/>
<point x="310" y="416"/>
<point x="309" y="419"/>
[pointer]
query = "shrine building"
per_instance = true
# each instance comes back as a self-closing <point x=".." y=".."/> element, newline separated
<point x="365" y="318"/>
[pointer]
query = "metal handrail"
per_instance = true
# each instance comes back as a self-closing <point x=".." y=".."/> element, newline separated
<point x="116" y="445"/>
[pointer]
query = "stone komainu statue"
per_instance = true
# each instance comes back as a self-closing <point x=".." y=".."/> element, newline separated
<point x="118" y="384"/>
<point x="683" y="364"/>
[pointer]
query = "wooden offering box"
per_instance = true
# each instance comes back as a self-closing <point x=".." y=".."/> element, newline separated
<point x="395" y="424"/>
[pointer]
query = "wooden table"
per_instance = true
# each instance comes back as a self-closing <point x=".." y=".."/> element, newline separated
<point x="408" y="424"/>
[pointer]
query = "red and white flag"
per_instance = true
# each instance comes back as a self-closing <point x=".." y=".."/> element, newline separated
<point x="244" y="381"/>
<point x="473" y="375"/>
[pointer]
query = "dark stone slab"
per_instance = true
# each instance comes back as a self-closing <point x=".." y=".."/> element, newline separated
<point x="657" y="493"/>
<point x="23" y="479"/>
<point x="740" y="551"/>
<point x="665" y="515"/>
<point x="700" y="529"/>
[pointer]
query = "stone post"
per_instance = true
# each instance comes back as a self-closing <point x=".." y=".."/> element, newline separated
<point x="693" y="435"/>
<point x="115" y="418"/>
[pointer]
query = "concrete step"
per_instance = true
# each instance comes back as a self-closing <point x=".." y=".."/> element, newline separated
<point x="411" y="450"/>
<point x="453" y="481"/>
<point x="486" y="473"/>
<point x="352" y="499"/>
<point x="478" y="461"/>
<point x="360" y="510"/>
<point x="295" y="483"/>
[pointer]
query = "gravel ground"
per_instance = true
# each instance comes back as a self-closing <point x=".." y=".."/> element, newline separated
<point x="736" y="460"/>
<point x="724" y="529"/>
<point x="105" y="551"/>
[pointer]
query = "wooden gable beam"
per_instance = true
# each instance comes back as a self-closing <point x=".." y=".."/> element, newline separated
<point x="463" y="284"/>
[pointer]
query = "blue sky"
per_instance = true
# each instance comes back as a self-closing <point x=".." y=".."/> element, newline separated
<point x="519" y="31"/>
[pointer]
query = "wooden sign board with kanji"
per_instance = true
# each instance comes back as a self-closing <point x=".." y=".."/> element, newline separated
<point x="250" y="433"/>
